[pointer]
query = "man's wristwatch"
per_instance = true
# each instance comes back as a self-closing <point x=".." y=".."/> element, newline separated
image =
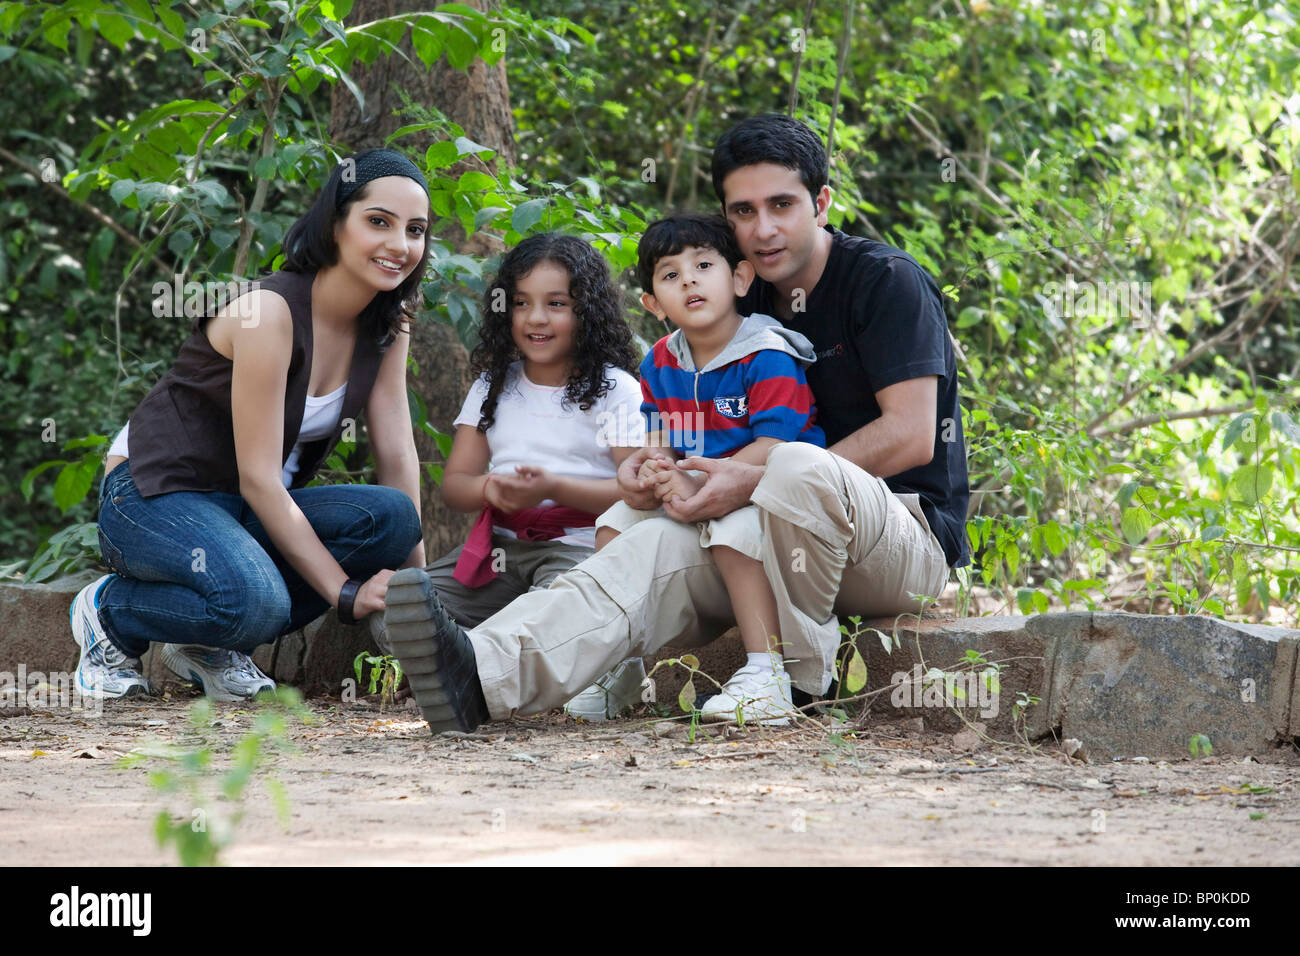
<point x="347" y="600"/>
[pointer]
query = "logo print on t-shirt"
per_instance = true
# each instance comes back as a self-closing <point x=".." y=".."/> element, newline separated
<point x="834" y="351"/>
<point x="732" y="406"/>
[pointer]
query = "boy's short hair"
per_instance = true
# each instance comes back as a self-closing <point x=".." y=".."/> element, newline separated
<point x="771" y="138"/>
<point x="672" y="234"/>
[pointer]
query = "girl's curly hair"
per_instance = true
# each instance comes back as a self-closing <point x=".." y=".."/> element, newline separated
<point x="601" y="337"/>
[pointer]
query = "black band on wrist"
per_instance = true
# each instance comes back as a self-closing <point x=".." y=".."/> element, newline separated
<point x="347" y="600"/>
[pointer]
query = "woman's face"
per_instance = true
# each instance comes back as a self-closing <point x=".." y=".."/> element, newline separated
<point x="383" y="237"/>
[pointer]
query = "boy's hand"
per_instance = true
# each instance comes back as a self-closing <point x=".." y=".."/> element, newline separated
<point x="676" y="486"/>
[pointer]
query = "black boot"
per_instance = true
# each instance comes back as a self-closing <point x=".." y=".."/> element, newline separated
<point x="435" y="653"/>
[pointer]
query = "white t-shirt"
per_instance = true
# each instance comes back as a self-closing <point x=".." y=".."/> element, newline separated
<point x="319" y="418"/>
<point x="533" y="427"/>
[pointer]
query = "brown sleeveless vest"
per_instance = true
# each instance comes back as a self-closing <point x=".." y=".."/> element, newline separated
<point x="182" y="433"/>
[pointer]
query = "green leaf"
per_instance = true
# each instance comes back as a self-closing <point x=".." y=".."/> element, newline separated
<point x="1213" y="532"/>
<point x="887" y="641"/>
<point x="29" y="479"/>
<point x="1041" y="603"/>
<point x="473" y="181"/>
<point x="1237" y="428"/>
<point x="691" y="661"/>
<point x="1053" y="538"/>
<point x="856" y="678"/>
<point x="686" y="697"/>
<point x="527" y="215"/>
<point x="1252" y="483"/>
<point x="72" y="486"/>
<point x="115" y="29"/>
<point x="1126" y="492"/>
<point x="1285" y="424"/>
<point x="441" y="155"/>
<point x="121" y="189"/>
<point x="1135" y="524"/>
<point x="465" y="145"/>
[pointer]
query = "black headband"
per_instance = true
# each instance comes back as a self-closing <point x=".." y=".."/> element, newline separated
<point x="376" y="164"/>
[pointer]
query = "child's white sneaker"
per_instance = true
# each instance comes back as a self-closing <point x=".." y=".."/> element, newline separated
<point x="757" y="693"/>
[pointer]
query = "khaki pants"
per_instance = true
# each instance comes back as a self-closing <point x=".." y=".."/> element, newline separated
<point x="833" y="540"/>
<point x="523" y="566"/>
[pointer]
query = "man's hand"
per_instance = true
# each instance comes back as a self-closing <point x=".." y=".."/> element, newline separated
<point x="727" y="486"/>
<point x="671" y="484"/>
<point x="636" y="491"/>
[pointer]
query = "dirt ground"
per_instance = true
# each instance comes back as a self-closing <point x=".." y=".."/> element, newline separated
<point x="369" y="787"/>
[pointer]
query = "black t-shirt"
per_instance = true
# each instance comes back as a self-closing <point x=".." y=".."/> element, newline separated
<point x="876" y="319"/>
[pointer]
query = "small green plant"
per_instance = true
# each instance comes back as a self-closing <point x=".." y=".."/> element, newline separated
<point x="1199" y="746"/>
<point x="202" y="832"/>
<point x="1018" y="720"/>
<point x="385" y="675"/>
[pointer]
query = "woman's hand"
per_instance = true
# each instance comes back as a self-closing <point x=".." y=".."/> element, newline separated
<point x="370" y="597"/>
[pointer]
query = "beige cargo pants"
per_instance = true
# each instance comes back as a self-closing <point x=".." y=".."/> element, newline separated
<point x="832" y="538"/>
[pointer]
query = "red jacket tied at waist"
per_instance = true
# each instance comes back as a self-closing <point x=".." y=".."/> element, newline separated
<point x="474" y="567"/>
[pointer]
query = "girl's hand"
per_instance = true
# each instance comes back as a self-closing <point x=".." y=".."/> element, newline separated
<point x="370" y="597"/>
<point x="512" y="493"/>
<point x="537" y="478"/>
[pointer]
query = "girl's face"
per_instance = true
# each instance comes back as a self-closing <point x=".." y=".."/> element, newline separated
<point x="382" y="239"/>
<point x="543" y="324"/>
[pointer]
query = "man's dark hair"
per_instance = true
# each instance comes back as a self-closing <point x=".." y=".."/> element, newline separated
<point x="673" y="233"/>
<point x="771" y="138"/>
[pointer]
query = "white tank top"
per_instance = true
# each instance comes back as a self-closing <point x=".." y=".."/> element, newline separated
<point x="320" y="417"/>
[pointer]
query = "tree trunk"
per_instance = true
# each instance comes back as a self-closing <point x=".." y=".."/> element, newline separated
<point x="477" y="100"/>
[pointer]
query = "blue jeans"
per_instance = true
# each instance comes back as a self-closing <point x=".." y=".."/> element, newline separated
<point x="199" y="568"/>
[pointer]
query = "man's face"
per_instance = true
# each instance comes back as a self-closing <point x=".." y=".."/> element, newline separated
<point x="774" y="217"/>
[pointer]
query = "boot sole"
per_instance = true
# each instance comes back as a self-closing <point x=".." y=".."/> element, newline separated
<point x="409" y="623"/>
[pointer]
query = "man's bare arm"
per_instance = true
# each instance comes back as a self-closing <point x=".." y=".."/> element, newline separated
<point x="902" y="437"/>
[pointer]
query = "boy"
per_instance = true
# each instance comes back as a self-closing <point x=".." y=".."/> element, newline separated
<point x="721" y="386"/>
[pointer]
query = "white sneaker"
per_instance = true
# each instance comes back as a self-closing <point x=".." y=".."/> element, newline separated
<point x="618" y="691"/>
<point x="223" y="674"/>
<point x="103" y="671"/>
<point x="760" y="693"/>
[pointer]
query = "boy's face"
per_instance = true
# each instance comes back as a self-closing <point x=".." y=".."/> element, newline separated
<point x="696" y="288"/>
<point x="774" y="217"/>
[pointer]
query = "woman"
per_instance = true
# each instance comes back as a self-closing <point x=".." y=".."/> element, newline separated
<point x="216" y="544"/>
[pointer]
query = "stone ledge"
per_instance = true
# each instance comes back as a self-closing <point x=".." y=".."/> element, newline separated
<point x="1125" y="684"/>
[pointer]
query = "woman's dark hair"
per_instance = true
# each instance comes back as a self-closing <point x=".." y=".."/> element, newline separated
<point x="675" y="232"/>
<point x="310" y="246"/>
<point x="601" y="337"/>
<point x="771" y="138"/>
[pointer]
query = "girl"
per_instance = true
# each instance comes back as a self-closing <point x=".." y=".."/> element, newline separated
<point x="541" y="434"/>
<point x="215" y="543"/>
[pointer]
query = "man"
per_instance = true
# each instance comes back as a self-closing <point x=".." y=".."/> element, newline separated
<point x="860" y="527"/>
